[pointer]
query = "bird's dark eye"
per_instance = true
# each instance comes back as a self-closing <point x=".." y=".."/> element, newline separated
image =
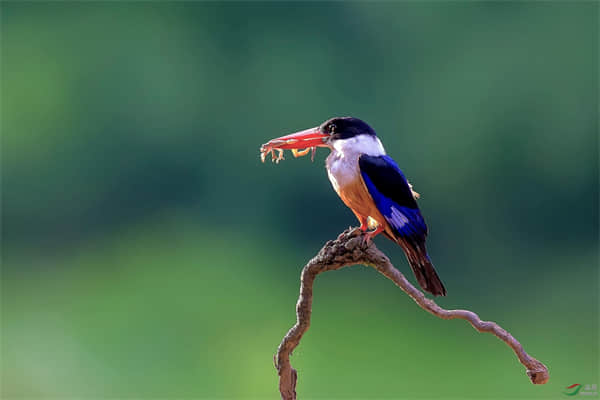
<point x="331" y="128"/>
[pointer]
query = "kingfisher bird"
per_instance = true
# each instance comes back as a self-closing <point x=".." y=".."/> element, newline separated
<point x="371" y="184"/>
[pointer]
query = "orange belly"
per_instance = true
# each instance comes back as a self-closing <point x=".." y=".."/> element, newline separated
<point x="356" y="196"/>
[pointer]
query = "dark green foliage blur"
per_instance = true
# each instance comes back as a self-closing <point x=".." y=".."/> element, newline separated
<point x="147" y="253"/>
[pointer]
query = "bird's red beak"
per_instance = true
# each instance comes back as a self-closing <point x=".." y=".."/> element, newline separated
<point x="308" y="140"/>
<point x="300" y="140"/>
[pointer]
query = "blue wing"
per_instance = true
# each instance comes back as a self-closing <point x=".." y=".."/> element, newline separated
<point x="393" y="197"/>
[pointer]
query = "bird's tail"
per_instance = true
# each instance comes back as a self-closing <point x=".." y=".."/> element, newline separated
<point x="423" y="268"/>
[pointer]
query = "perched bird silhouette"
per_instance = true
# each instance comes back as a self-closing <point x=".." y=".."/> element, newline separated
<point x="370" y="183"/>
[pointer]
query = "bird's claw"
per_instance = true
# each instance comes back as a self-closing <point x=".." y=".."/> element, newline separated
<point x="368" y="236"/>
<point x="366" y="240"/>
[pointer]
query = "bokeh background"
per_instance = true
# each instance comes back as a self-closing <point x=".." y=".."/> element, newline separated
<point x="147" y="253"/>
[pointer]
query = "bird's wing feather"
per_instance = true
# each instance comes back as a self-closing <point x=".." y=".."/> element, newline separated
<point x="393" y="197"/>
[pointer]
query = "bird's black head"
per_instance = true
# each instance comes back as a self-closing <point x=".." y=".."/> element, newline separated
<point x="345" y="128"/>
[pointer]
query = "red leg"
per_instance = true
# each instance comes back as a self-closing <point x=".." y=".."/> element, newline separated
<point x="364" y="224"/>
<point x="370" y="235"/>
<point x="364" y="221"/>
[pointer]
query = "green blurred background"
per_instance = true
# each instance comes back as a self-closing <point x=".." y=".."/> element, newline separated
<point x="147" y="253"/>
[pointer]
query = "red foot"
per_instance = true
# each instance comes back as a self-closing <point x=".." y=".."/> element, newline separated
<point x="363" y="227"/>
<point x="364" y="224"/>
<point x="370" y="235"/>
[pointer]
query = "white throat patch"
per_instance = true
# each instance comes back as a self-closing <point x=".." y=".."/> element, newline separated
<point x="361" y="144"/>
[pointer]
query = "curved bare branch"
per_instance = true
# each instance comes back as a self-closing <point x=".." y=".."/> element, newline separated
<point x="350" y="249"/>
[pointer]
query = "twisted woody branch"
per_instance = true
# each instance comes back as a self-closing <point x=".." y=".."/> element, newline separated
<point x="349" y="249"/>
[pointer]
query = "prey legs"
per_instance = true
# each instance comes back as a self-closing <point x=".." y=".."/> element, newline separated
<point x="299" y="153"/>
